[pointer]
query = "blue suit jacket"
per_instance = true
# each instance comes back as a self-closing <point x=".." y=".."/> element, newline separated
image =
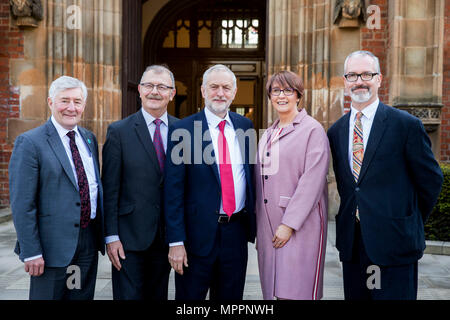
<point x="192" y="192"/>
<point x="398" y="187"/>
<point x="44" y="196"/>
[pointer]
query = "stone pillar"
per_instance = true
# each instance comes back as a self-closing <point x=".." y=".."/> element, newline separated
<point x="416" y="61"/>
<point x="79" y="38"/>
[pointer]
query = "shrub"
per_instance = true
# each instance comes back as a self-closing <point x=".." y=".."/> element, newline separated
<point x="438" y="224"/>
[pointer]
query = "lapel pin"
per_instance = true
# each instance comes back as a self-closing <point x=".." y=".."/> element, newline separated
<point x="89" y="141"/>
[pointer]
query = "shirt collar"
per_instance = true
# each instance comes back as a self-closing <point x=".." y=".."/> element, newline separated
<point x="149" y="118"/>
<point x="214" y="120"/>
<point x="61" y="130"/>
<point x="368" y="112"/>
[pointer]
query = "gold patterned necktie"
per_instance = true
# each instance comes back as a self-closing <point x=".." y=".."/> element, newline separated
<point x="358" y="151"/>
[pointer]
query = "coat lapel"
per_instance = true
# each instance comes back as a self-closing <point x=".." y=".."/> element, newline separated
<point x="207" y="142"/>
<point x="56" y="144"/>
<point x="343" y="144"/>
<point x="376" y="132"/>
<point x="144" y="136"/>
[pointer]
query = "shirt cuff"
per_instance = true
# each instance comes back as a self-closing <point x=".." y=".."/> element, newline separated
<point x="173" y="244"/>
<point x="32" y="258"/>
<point x="112" y="238"/>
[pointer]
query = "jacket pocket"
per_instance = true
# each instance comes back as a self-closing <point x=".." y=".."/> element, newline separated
<point x="126" y="209"/>
<point x="284" y="201"/>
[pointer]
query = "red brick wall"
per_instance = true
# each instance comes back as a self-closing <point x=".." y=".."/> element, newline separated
<point x="11" y="47"/>
<point x="445" y="128"/>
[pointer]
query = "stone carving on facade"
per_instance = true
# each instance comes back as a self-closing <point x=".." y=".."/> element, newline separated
<point x="429" y="113"/>
<point x="348" y="13"/>
<point x="27" y="12"/>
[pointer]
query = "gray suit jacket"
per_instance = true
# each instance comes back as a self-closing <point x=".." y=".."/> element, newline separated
<point x="44" y="196"/>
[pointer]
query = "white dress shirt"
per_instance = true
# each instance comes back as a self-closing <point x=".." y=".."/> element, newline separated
<point x="164" y="129"/>
<point x="88" y="164"/>
<point x="366" y="122"/>
<point x="235" y="155"/>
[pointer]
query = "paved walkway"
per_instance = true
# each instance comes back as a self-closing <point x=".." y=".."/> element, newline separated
<point x="434" y="273"/>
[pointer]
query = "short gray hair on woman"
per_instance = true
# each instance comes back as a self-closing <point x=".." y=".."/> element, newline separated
<point x="158" y="69"/>
<point x="363" y="53"/>
<point x="64" y="83"/>
<point x="218" y="67"/>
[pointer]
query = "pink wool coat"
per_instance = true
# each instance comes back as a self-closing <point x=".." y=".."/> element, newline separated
<point x="291" y="188"/>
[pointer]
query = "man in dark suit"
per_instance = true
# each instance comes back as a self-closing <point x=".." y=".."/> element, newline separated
<point x="133" y="166"/>
<point x="209" y="196"/>
<point x="388" y="182"/>
<point x="56" y="199"/>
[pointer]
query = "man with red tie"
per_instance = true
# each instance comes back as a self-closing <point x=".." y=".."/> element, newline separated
<point x="209" y="195"/>
<point x="388" y="182"/>
<point x="133" y="167"/>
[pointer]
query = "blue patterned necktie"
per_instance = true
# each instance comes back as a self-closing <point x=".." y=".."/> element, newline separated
<point x="83" y="184"/>
<point x="157" y="142"/>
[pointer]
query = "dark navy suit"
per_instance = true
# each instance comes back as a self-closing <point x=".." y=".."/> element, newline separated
<point x="192" y="197"/>
<point x="396" y="191"/>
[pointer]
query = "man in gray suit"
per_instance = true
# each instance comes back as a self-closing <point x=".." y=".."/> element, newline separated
<point x="56" y="199"/>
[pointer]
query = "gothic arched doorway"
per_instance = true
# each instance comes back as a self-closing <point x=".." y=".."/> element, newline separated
<point x="191" y="35"/>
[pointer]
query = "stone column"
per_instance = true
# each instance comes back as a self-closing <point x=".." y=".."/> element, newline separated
<point x="79" y="38"/>
<point x="416" y="61"/>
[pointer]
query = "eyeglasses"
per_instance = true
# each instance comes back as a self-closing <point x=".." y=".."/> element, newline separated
<point x="365" y="76"/>
<point x="160" y="87"/>
<point x="278" y="91"/>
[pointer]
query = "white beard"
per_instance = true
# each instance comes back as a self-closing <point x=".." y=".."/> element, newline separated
<point x="216" y="109"/>
<point x="361" y="97"/>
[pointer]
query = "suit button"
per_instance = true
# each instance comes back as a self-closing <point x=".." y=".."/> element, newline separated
<point x="77" y="204"/>
<point x="268" y="153"/>
<point x="266" y="177"/>
<point x="76" y="225"/>
<point x="265" y="200"/>
<point x="357" y="189"/>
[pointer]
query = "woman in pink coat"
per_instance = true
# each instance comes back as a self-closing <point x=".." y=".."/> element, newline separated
<point x="291" y="197"/>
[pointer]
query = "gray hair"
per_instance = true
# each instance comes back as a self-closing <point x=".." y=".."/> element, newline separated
<point x="64" y="83"/>
<point x="158" y="69"/>
<point x="363" y="53"/>
<point x="218" y="67"/>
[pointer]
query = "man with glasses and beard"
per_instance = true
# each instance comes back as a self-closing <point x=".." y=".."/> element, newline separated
<point x="133" y="167"/>
<point x="388" y="182"/>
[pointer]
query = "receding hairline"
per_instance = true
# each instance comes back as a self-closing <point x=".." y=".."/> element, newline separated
<point x="159" y="69"/>
<point x="363" y="53"/>
<point x="219" y="68"/>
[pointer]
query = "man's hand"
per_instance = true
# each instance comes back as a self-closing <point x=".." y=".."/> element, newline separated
<point x="178" y="258"/>
<point x="282" y="236"/>
<point x="115" y="250"/>
<point x="35" y="267"/>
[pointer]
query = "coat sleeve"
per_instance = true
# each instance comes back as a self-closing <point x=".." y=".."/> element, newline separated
<point x="111" y="175"/>
<point x="23" y="189"/>
<point x="312" y="182"/>
<point x="424" y="170"/>
<point x="174" y="184"/>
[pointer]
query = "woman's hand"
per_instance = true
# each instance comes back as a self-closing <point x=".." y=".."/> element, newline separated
<point x="282" y="236"/>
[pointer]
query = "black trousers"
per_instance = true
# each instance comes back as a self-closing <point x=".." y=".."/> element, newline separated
<point x="222" y="271"/>
<point x="144" y="274"/>
<point x="58" y="284"/>
<point x="360" y="277"/>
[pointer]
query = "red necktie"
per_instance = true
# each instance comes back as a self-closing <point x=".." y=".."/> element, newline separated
<point x="157" y="142"/>
<point x="83" y="184"/>
<point x="226" y="173"/>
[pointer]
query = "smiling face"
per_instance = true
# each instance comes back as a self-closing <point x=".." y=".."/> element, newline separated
<point x="284" y="104"/>
<point x="219" y="92"/>
<point x="362" y="93"/>
<point x="155" y="101"/>
<point x="67" y="107"/>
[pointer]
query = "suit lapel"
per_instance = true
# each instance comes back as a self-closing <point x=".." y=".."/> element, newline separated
<point x="344" y="132"/>
<point x="207" y="142"/>
<point x="376" y="132"/>
<point x="91" y="147"/>
<point x="58" y="148"/>
<point x="146" y="140"/>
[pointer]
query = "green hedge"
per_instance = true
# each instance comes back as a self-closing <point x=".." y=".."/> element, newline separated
<point x="438" y="224"/>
